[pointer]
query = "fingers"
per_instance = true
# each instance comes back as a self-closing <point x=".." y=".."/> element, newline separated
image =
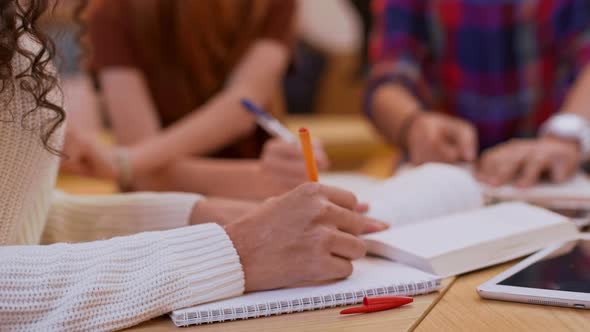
<point x="282" y="150"/>
<point x="501" y="165"/>
<point x="336" y="268"/>
<point x="346" y="245"/>
<point x="506" y="172"/>
<point x="447" y="153"/>
<point x="362" y="208"/>
<point x="444" y="140"/>
<point x="340" y="197"/>
<point x="286" y="168"/>
<point x="374" y="226"/>
<point x="285" y="161"/>
<point x="324" y="195"/>
<point x="525" y="161"/>
<point x="466" y="140"/>
<point x="345" y="220"/>
<point x="562" y="169"/>
<point x="532" y="170"/>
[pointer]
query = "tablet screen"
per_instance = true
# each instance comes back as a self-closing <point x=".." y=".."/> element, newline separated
<point x="566" y="269"/>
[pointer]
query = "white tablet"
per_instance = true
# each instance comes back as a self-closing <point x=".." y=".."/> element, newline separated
<point x="557" y="276"/>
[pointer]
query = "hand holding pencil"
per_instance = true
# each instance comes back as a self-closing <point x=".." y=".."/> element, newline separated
<point x="282" y="159"/>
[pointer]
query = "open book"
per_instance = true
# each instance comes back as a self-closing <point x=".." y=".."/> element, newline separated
<point x="440" y="225"/>
<point x="573" y="194"/>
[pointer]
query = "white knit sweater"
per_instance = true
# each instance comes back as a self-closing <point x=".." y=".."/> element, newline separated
<point x="102" y="285"/>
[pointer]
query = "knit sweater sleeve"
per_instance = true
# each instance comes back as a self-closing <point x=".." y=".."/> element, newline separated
<point x="82" y="218"/>
<point x="101" y="285"/>
<point x="112" y="284"/>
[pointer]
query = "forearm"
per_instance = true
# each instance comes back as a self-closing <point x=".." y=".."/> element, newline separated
<point x="241" y="179"/>
<point x="218" y="123"/>
<point x="222" y="120"/>
<point x="391" y="104"/>
<point x="113" y="284"/>
<point x="578" y="99"/>
<point x="130" y="107"/>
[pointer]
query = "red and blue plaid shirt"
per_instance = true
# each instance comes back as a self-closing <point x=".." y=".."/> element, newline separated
<point x="505" y="66"/>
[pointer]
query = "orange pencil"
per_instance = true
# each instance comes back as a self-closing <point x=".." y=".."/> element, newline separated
<point x="312" y="168"/>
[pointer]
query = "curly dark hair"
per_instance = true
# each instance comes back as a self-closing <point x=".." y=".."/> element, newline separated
<point x="18" y="19"/>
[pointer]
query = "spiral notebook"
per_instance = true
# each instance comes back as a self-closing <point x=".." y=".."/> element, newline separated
<point x="371" y="277"/>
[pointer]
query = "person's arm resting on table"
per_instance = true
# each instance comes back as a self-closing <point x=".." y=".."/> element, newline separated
<point x="524" y="162"/>
<point x="398" y="92"/>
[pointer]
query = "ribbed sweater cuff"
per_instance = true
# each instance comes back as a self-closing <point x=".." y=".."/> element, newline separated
<point x="206" y="262"/>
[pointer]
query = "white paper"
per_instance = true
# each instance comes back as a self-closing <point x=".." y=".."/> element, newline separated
<point x="370" y="274"/>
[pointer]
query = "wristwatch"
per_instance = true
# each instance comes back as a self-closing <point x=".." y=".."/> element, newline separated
<point x="572" y="127"/>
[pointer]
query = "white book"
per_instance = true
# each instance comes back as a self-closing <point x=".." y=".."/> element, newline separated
<point x="440" y="225"/>
<point x="371" y="277"/>
<point x="465" y="242"/>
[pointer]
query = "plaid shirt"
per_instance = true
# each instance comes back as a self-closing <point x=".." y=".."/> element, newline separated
<point x="504" y="66"/>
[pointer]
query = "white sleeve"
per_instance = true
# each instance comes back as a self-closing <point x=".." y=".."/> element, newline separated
<point x="112" y="284"/>
<point x="81" y="218"/>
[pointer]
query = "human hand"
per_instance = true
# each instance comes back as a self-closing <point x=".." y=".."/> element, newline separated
<point x="221" y="211"/>
<point x="434" y="137"/>
<point x="85" y="156"/>
<point x="283" y="164"/>
<point x="306" y="235"/>
<point x="524" y="162"/>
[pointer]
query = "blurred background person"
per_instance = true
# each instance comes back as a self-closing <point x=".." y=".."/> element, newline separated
<point x="451" y="78"/>
<point x="171" y="76"/>
<point x="333" y="31"/>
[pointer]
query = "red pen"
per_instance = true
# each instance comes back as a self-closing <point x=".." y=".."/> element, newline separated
<point x="393" y="300"/>
<point x="378" y="304"/>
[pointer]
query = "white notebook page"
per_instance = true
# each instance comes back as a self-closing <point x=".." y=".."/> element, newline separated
<point x="371" y="276"/>
<point x="423" y="193"/>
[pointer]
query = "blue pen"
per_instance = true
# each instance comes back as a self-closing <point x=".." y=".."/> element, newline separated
<point x="268" y="122"/>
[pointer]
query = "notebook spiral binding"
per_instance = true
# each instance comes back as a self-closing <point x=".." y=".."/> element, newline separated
<point x="303" y="304"/>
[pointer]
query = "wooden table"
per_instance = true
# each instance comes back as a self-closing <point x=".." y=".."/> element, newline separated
<point x="457" y="307"/>
<point x="461" y="309"/>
